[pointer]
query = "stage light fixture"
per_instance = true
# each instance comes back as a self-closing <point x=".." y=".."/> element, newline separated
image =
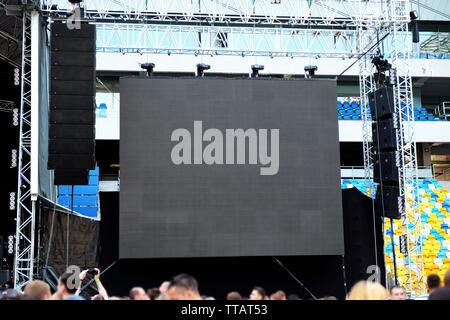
<point x="255" y="70"/>
<point x="148" y="67"/>
<point x="13" y="158"/>
<point x="414" y="26"/>
<point x="201" y="67"/>
<point x="381" y="64"/>
<point x="15" y="117"/>
<point x="16" y="76"/>
<point x="12" y="201"/>
<point x="310" y="71"/>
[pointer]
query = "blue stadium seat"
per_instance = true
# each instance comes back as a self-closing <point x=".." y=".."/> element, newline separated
<point x="85" y="190"/>
<point x="87" y="211"/>
<point x="85" y="200"/>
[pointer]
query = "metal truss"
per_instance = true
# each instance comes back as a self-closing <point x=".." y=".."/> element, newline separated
<point x="348" y="13"/>
<point x="10" y="42"/>
<point x="406" y="148"/>
<point x="7" y="106"/>
<point x="399" y="46"/>
<point x="222" y="40"/>
<point x="25" y="219"/>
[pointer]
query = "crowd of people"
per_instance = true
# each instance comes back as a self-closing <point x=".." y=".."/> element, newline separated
<point x="185" y="287"/>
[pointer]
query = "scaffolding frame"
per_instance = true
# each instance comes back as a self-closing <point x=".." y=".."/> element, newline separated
<point x="26" y="206"/>
<point x="408" y="204"/>
<point x="359" y="18"/>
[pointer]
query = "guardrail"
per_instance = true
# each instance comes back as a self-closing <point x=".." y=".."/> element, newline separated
<point x="358" y="172"/>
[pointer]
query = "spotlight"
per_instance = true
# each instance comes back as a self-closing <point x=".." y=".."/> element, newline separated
<point x="255" y="70"/>
<point x="201" y="67"/>
<point x="149" y="68"/>
<point x="196" y="53"/>
<point x="414" y="26"/>
<point x="381" y="64"/>
<point x="12" y="201"/>
<point x="310" y="71"/>
<point x="168" y="52"/>
<point x="140" y="52"/>
<point x="243" y="55"/>
<point x="15" y="117"/>
<point x="13" y="158"/>
<point x="16" y="76"/>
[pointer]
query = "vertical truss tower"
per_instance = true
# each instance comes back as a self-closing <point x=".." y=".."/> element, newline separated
<point x="398" y="50"/>
<point x="26" y="207"/>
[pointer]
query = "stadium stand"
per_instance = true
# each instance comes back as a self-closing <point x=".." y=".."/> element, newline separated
<point x="85" y="198"/>
<point x="435" y="218"/>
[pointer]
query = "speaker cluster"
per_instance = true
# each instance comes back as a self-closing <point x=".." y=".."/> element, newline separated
<point x="386" y="157"/>
<point x="71" y="145"/>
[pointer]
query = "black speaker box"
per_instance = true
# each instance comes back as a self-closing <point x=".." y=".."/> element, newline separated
<point x="86" y="117"/>
<point x="80" y="59"/>
<point x="72" y="73"/>
<point x="60" y="30"/>
<point x="382" y="103"/>
<point x="383" y="135"/>
<point x="71" y="146"/>
<point x="69" y="87"/>
<point x="387" y="199"/>
<point x="71" y="161"/>
<point x="71" y="177"/>
<point x="66" y="102"/>
<point x="385" y="169"/>
<point x="71" y="131"/>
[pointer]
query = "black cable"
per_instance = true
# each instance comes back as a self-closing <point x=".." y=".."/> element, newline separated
<point x="393" y="253"/>
<point x="295" y="278"/>
<point x="370" y="49"/>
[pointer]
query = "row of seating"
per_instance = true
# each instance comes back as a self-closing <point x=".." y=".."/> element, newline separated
<point x="82" y="199"/>
<point x="352" y="111"/>
<point x="434" y="211"/>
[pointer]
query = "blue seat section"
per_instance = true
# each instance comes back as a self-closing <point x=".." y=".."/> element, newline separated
<point x="85" y="190"/>
<point x="353" y="112"/>
<point x="84" y="199"/>
<point x="87" y="211"/>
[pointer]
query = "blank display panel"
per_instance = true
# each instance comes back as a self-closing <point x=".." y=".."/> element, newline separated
<point x="229" y="167"/>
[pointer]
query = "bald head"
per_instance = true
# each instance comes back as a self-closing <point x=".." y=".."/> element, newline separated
<point x="138" y="293"/>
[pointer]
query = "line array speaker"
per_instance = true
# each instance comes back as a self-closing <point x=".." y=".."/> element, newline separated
<point x="386" y="162"/>
<point x="72" y="103"/>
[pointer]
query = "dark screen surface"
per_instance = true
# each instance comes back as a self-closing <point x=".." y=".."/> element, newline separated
<point x="194" y="185"/>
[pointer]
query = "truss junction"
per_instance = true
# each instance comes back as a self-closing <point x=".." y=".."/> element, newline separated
<point x="286" y="28"/>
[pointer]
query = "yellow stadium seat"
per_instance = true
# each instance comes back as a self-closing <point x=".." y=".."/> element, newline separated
<point x="426" y="195"/>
